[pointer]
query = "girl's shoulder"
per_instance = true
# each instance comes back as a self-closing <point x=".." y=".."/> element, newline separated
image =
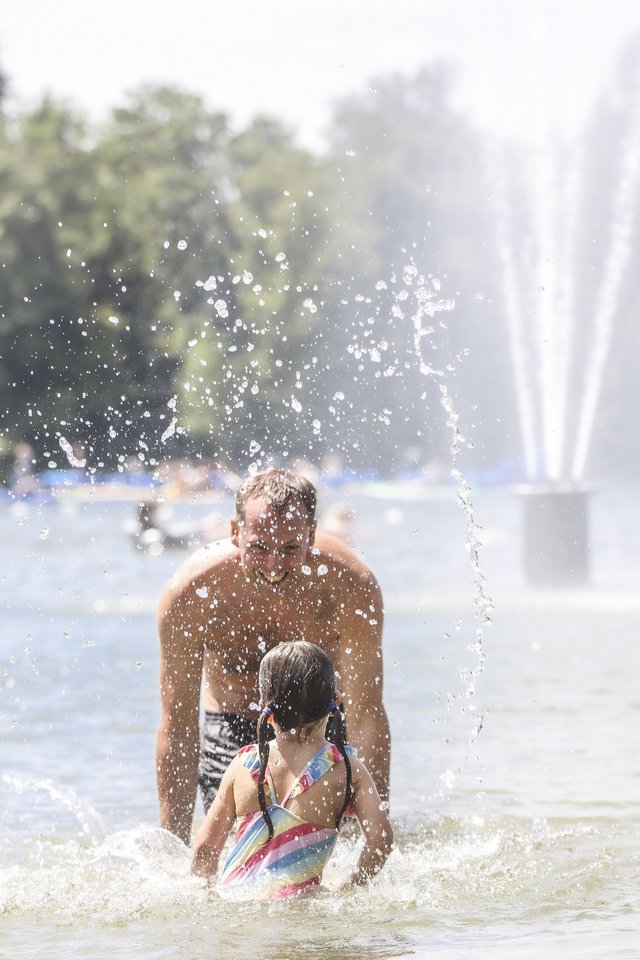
<point x="249" y="757"/>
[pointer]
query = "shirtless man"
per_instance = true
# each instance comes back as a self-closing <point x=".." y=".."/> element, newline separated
<point x="273" y="580"/>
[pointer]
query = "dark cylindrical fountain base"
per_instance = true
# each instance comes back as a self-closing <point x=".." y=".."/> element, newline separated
<point x="555" y="535"/>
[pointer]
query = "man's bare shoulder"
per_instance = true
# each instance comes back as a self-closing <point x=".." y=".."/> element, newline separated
<point x="328" y="545"/>
<point x="211" y="562"/>
<point x="340" y="557"/>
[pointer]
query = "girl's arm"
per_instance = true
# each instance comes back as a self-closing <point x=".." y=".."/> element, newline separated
<point x="374" y="824"/>
<point x="213" y="833"/>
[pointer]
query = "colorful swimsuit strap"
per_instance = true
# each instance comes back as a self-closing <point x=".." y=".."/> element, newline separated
<point x="250" y="757"/>
<point x="319" y="764"/>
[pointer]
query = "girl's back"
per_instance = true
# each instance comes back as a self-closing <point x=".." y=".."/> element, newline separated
<point x="305" y="793"/>
<point x="288" y="793"/>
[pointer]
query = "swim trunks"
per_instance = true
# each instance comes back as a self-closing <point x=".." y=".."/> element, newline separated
<point x="223" y="734"/>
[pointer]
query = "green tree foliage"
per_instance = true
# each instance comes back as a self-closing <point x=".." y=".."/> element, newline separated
<point x="251" y="376"/>
<point x="45" y="201"/>
<point x="171" y="287"/>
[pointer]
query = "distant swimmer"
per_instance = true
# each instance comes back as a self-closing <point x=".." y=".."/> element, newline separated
<point x="272" y="581"/>
<point x="287" y="794"/>
<point x="149" y="533"/>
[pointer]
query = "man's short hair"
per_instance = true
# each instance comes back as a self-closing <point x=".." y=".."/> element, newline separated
<point x="278" y="487"/>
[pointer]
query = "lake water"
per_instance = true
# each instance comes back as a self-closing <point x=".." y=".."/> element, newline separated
<point x="520" y="840"/>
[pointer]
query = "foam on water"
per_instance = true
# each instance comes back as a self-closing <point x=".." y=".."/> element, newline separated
<point x="67" y="878"/>
<point x="472" y="871"/>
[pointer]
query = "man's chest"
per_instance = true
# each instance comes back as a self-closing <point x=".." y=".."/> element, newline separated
<point x="238" y="639"/>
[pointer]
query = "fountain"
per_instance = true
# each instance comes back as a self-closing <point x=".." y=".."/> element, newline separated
<point x="558" y="376"/>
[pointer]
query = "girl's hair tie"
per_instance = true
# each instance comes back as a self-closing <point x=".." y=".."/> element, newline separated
<point x="267" y="712"/>
<point x="333" y="706"/>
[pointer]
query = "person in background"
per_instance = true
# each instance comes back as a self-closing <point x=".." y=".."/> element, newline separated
<point x="24" y="484"/>
<point x="272" y="581"/>
<point x="288" y="796"/>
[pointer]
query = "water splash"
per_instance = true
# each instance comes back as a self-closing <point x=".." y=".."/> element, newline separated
<point x="480" y="870"/>
<point x="91" y="824"/>
<point x="426" y="304"/>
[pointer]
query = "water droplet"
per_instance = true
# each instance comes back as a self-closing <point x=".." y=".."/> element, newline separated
<point x="169" y="432"/>
<point x="202" y="592"/>
<point x="323" y="570"/>
<point x="71" y="457"/>
<point x="448" y="778"/>
<point x="182" y="244"/>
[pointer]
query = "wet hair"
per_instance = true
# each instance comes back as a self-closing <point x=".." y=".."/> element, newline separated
<point x="278" y="487"/>
<point x="298" y="687"/>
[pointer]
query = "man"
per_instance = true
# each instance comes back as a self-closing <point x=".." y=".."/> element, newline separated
<point x="272" y="581"/>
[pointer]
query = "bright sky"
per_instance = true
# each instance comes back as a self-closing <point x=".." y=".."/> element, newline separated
<point x="293" y="58"/>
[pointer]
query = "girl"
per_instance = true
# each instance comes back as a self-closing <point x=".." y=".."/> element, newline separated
<point x="289" y="795"/>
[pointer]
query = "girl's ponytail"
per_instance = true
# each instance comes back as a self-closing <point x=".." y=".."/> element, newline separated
<point x="339" y="732"/>
<point x="263" y="752"/>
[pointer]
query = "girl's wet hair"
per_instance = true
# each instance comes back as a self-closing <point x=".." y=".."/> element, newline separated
<point x="298" y="687"/>
<point x="279" y="488"/>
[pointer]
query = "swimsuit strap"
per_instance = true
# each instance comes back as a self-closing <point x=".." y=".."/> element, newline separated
<point x="250" y="757"/>
<point x="319" y="764"/>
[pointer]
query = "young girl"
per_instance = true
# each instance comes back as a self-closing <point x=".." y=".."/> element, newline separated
<point x="289" y="795"/>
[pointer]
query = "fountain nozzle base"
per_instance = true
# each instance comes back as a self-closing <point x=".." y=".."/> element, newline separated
<point x="555" y="534"/>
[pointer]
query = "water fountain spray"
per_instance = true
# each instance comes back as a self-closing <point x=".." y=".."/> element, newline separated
<point x="538" y="293"/>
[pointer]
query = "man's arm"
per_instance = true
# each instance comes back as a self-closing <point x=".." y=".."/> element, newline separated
<point x="178" y="740"/>
<point x="360" y="666"/>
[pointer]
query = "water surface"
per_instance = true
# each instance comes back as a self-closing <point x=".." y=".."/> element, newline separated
<point x="518" y="840"/>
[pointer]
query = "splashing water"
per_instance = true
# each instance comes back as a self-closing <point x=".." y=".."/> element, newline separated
<point x="134" y="886"/>
<point x="427" y="304"/>
<point x="74" y="461"/>
<point x="90" y="823"/>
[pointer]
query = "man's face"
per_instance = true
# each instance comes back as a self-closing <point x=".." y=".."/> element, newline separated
<point x="273" y="546"/>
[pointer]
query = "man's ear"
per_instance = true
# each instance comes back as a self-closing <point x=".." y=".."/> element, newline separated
<point x="235" y="530"/>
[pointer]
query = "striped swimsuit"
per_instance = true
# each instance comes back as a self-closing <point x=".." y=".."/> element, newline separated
<point x="291" y="863"/>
